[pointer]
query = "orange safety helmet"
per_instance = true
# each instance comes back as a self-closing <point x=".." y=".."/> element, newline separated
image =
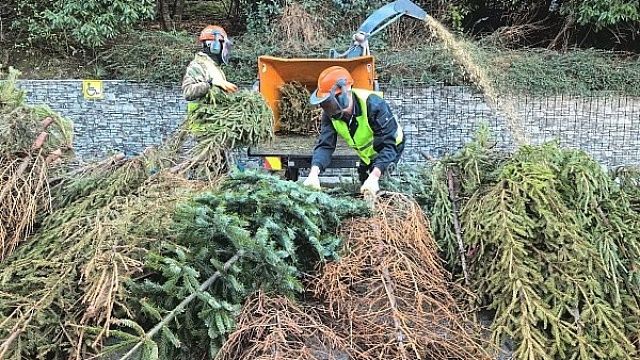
<point x="215" y="41"/>
<point x="330" y="83"/>
<point x="210" y="32"/>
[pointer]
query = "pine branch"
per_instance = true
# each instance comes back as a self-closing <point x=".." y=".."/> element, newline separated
<point x="178" y="309"/>
<point x="456" y="224"/>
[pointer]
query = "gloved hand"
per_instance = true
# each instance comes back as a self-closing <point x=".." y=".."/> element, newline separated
<point x="370" y="185"/>
<point x="313" y="182"/>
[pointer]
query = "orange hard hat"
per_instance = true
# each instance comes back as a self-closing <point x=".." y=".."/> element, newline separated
<point x="209" y="33"/>
<point x="331" y="78"/>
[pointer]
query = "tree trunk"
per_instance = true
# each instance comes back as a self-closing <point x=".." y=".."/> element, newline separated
<point x="165" y="15"/>
<point x="563" y="35"/>
<point x="234" y="10"/>
<point x="160" y="14"/>
<point x="179" y="11"/>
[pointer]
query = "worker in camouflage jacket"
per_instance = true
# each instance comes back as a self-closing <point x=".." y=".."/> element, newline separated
<point x="203" y="72"/>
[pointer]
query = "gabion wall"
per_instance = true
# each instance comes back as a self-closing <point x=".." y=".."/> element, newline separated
<point x="437" y="120"/>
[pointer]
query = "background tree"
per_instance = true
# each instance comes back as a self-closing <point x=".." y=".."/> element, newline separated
<point x="170" y="13"/>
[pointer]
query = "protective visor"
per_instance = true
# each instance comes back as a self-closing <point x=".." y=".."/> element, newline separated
<point x="331" y="107"/>
<point x="317" y="97"/>
<point x="328" y="102"/>
<point x="227" y="45"/>
<point x="221" y="46"/>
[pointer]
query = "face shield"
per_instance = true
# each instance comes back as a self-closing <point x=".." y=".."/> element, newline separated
<point x="227" y="45"/>
<point x="220" y="47"/>
<point x="332" y="107"/>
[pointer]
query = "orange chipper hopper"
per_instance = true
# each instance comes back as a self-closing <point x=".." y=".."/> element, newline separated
<point x="274" y="72"/>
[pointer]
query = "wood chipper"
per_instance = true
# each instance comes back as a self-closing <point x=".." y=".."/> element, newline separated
<point x="290" y="152"/>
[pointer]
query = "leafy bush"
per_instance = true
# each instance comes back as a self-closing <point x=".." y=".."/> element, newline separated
<point x="606" y="24"/>
<point x="550" y="72"/>
<point x="603" y="13"/>
<point x="89" y="23"/>
<point x="163" y="57"/>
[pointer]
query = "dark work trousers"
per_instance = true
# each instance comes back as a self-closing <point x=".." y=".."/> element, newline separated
<point x="364" y="170"/>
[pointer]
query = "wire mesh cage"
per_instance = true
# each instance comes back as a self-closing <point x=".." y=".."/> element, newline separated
<point x="437" y="119"/>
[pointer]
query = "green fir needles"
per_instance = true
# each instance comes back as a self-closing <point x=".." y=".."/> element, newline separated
<point x="232" y="120"/>
<point x="282" y="231"/>
<point x="551" y="241"/>
<point x="158" y="263"/>
<point x="63" y="288"/>
<point x="222" y="122"/>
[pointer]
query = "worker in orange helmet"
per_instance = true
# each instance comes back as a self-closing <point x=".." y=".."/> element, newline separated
<point x="203" y="72"/>
<point x="363" y="119"/>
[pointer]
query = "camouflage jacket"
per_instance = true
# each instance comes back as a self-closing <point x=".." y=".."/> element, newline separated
<point x="201" y="72"/>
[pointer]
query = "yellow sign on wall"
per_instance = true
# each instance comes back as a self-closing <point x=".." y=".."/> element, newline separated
<point x="93" y="89"/>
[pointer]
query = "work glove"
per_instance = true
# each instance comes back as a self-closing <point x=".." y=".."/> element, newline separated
<point x="370" y="186"/>
<point x="312" y="182"/>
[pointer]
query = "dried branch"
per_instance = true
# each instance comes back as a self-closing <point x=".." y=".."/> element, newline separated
<point x="274" y="327"/>
<point x="392" y="290"/>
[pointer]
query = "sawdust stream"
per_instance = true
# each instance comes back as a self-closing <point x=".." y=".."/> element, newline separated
<point x="480" y="78"/>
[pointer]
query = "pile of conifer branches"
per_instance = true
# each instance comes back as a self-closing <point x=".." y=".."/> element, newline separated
<point x="66" y="280"/>
<point x="126" y="251"/>
<point x="387" y="297"/>
<point x="129" y="251"/>
<point x="222" y="122"/>
<point x="33" y="143"/>
<point x="297" y="115"/>
<point x="549" y="241"/>
<point x="393" y="292"/>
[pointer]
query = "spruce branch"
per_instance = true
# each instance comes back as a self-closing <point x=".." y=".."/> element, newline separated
<point x="178" y="309"/>
<point x="456" y="223"/>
